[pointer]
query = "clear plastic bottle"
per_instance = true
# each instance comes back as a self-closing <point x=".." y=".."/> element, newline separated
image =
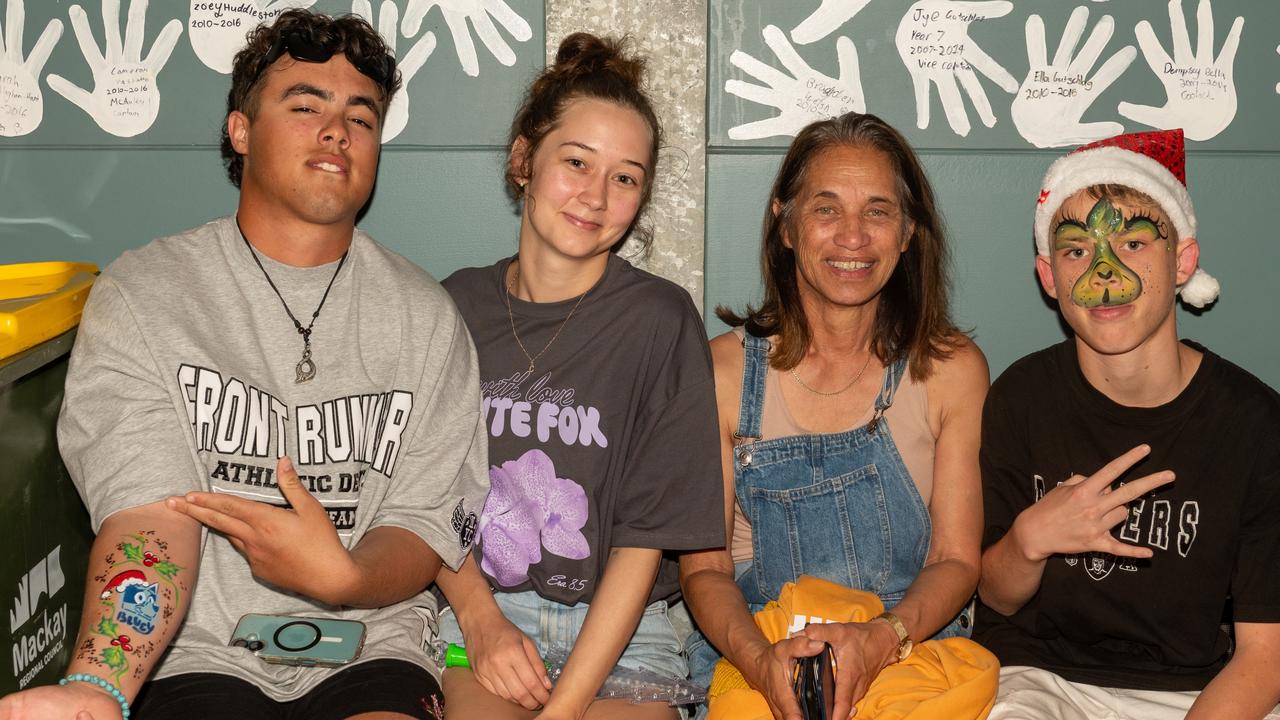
<point x="447" y="655"/>
<point x="638" y="686"/>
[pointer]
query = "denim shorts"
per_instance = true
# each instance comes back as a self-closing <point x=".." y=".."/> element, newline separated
<point x="654" y="646"/>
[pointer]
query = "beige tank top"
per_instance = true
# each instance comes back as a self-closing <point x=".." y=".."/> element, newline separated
<point x="908" y="420"/>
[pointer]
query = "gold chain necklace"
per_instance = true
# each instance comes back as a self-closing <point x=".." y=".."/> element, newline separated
<point x="515" y="277"/>
<point x="796" y="376"/>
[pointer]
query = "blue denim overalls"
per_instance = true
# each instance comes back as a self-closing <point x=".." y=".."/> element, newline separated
<point x="838" y="506"/>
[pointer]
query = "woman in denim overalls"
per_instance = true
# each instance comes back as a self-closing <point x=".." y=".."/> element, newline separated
<point x="855" y="304"/>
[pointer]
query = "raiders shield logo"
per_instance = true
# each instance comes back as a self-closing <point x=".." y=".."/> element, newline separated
<point x="1099" y="565"/>
<point x="465" y="524"/>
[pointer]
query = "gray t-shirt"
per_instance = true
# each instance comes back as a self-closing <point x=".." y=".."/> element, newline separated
<point x="610" y="442"/>
<point x="183" y="378"/>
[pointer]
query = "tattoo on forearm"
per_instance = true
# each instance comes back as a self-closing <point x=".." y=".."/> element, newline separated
<point x="138" y="554"/>
<point x="128" y="596"/>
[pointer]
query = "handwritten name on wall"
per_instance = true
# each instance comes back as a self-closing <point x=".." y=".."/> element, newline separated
<point x="1048" y="105"/>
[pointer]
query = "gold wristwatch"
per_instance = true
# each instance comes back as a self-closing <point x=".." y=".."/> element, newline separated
<point x="904" y="640"/>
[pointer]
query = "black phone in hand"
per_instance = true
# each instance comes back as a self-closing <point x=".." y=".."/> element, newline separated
<point x="815" y="684"/>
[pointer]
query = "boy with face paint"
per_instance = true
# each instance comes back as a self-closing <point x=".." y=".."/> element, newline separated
<point x="1132" y="497"/>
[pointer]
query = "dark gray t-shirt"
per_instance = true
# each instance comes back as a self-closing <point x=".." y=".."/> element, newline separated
<point x="610" y="442"/>
<point x="183" y="379"/>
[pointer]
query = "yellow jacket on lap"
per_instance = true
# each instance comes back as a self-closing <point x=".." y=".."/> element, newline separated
<point x="951" y="679"/>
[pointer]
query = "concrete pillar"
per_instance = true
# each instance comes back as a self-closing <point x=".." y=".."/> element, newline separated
<point x="673" y="34"/>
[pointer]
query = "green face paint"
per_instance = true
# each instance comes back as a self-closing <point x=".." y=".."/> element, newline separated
<point x="1108" y="281"/>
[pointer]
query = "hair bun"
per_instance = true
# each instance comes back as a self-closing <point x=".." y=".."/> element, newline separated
<point x="583" y="53"/>
<point x="587" y="67"/>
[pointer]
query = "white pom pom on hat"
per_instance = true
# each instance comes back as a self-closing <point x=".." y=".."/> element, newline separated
<point x="1150" y="162"/>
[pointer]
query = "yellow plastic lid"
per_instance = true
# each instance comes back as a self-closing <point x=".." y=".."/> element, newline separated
<point x="39" y="301"/>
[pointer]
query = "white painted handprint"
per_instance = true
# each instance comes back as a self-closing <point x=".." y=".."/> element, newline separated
<point x="933" y="41"/>
<point x="1053" y="98"/>
<point x="21" y="102"/>
<point x="217" y="28"/>
<point x="388" y="21"/>
<point x="457" y="13"/>
<point x="804" y="96"/>
<point x="125" y="98"/>
<point x="828" y="18"/>
<point x="1201" y="88"/>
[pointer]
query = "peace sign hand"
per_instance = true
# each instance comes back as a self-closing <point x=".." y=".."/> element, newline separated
<point x="295" y="548"/>
<point x="1077" y="516"/>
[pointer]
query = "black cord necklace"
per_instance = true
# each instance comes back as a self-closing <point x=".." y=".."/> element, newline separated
<point x="306" y="368"/>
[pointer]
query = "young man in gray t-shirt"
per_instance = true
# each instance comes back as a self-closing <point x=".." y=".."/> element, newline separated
<point x="271" y="413"/>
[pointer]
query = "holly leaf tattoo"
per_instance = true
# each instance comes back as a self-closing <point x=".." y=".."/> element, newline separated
<point x="115" y="658"/>
<point x="132" y="553"/>
<point x="166" y="569"/>
<point x="108" y="627"/>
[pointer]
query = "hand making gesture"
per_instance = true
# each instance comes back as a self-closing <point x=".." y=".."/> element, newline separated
<point x="1077" y="516"/>
<point x="295" y="548"/>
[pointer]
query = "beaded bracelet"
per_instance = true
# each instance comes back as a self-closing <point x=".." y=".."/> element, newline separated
<point x="105" y="685"/>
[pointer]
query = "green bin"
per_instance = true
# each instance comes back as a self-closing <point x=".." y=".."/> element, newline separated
<point x="44" y="528"/>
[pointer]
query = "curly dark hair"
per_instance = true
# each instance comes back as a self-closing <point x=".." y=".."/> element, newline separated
<point x="586" y="66"/>
<point x="350" y="35"/>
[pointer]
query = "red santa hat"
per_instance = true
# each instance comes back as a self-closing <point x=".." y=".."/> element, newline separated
<point x="1150" y="162"/>
<point x="122" y="581"/>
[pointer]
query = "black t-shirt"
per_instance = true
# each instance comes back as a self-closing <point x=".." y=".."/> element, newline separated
<point x="610" y="442"/>
<point x="1146" y="624"/>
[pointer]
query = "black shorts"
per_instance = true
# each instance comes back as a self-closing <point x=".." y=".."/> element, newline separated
<point x="374" y="686"/>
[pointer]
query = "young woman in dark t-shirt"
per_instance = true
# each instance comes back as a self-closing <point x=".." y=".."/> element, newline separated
<point x="599" y="400"/>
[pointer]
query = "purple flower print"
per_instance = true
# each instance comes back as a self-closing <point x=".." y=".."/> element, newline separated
<point x="509" y="527"/>
<point x="529" y="508"/>
<point x="566" y="513"/>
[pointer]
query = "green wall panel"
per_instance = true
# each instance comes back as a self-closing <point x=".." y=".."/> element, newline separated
<point x="443" y="209"/>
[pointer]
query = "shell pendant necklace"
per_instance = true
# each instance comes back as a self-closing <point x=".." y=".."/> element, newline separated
<point x="305" y="370"/>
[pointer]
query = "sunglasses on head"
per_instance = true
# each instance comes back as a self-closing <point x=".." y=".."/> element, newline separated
<point x="305" y="47"/>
